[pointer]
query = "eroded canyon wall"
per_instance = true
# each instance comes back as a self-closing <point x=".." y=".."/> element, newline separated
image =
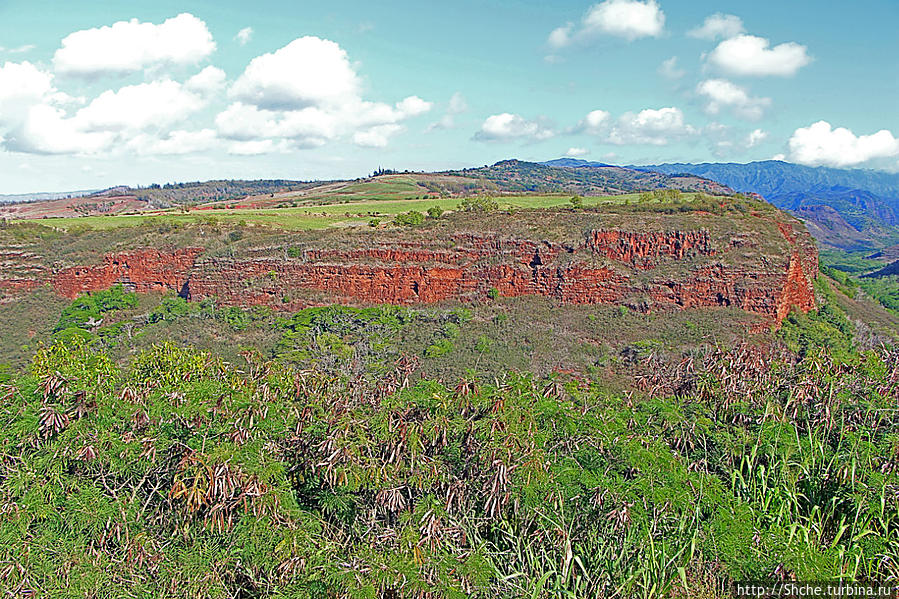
<point x="645" y="270"/>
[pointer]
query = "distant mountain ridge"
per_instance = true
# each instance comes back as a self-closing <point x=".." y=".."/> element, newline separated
<point x="863" y="205"/>
<point x="567" y="176"/>
<point x="11" y="198"/>
<point x="774" y="178"/>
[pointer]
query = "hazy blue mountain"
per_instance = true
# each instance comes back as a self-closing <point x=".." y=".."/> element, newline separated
<point x="773" y="178"/>
<point x="860" y="208"/>
<point x="866" y="200"/>
<point x="37" y="197"/>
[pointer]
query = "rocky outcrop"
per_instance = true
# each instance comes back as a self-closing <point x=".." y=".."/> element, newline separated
<point x="646" y="270"/>
<point x="141" y="270"/>
<point x="601" y="269"/>
<point x="20" y="271"/>
<point x="642" y="250"/>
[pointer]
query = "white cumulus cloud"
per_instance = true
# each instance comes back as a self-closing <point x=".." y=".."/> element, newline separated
<point x="158" y="104"/>
<point x="47" y="130"/>
<point x="748" y="55"/>
<point x="302" y="95"/>
<point x="376" y="137"/>
<point x="208" y="81"/>
<point x="129" y="46"/>
<point x="310" y="127"/>
<point x="756" y="137"/>
<point x="650" y="126"/>
<point x="177" y="142"/>
<point x="133" y="118"/>
<point x="595" y="122"/>
<point x="576" y="152"/>
<point x="511" y="127"/>
<point x="307" y="94"/>
<point x="820" y="144"/>
<point x="244" y="36"/>
<point x="560" y="36"/>
<point x="718" y="26"/>
<point x="21" y="85"/>
<point x="629" y="19"/>
<point x="308" y="71"/>
<point x="258" y="147"/>
<point x="721" y="94"/>
<point x="413" y="106"/>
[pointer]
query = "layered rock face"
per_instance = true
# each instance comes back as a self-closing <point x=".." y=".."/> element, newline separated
<point x="643" y="269"/>
<point x="468" y="271"/>
<point x="20" y="271"/>
<point x="646" y="271"/>
<point x="642" y="249"/>
<point x="141" y="270"/>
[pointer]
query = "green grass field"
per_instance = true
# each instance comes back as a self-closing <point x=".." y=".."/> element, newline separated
<point x="356" y="212"/>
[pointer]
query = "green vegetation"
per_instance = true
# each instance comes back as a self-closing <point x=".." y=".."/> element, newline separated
<point x="87" y="317"/>
<point x="358" y="341"/>
<point x="825" y="329"/>
<point x="478" y="204"/>
<point x="845" y="269"/>
<point x="883" y="289"/>
<point x="90" y="308"/>
<point x="398" y="452"/>
<point x="210" y="191"/>
<point x="507" y="177"/>
<point x="181" y="475"/>
<point x="661" y="195"/>
<point x="365" y="210"/>
<point x="413" y="218"/>
<point x="849" y="262"/>
<point x="847" y="284"/>
<point x="297" y="218"/>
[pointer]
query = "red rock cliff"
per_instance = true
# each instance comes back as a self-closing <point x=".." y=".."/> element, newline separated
<point x="140" y="270"/>
<point x="646" y="270"/>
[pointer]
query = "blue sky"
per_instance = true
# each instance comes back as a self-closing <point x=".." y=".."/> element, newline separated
<point x="94" y="94"/>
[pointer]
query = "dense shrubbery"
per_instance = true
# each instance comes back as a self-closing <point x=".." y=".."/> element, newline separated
<point x="174" y="307"/>
<point x="183" y="476"/>
<point x="824" y="330"/>
<point x="478" y="204"/>
<point x="846" y="283"/>
<point x="672" y="201"/>
<point x="339" y="339"/>
<point x="661" y="195"/>
<point x="86" y="317"/>
<point x="413" y="218"/>
<point x="331" y="470"/>
<point x="90" y="308"/>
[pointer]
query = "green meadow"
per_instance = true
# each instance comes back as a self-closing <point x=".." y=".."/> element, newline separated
<point x="338" y="212"/>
